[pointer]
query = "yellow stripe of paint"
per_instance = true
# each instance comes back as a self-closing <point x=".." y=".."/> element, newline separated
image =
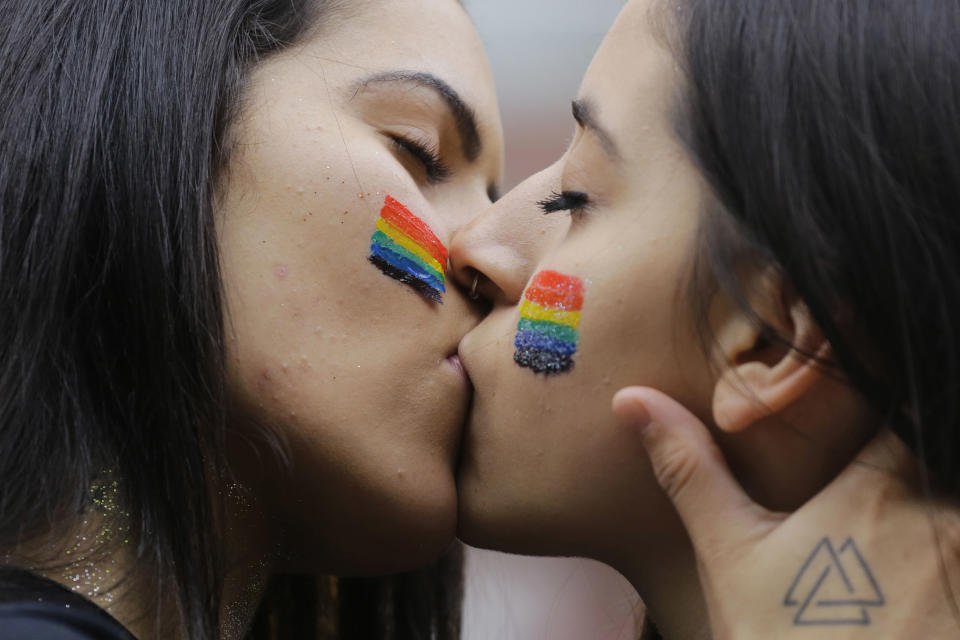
<point x="533" y="311"/>
<point x="404" y="241"/>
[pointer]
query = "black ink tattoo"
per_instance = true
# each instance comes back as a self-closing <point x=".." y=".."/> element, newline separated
<point x="834" y="587"/>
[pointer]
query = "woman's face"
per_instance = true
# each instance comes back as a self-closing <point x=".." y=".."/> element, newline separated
<point x="587" y="300"/>
<point x="358" y="156"/>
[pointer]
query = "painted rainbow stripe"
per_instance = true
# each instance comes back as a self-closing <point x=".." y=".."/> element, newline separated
<point x="404" y="248"/>
<point x="547" y="335"/>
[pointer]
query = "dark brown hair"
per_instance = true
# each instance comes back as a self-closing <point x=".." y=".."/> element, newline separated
<point x="113" y="137"/>
<point x="829" y="134"/>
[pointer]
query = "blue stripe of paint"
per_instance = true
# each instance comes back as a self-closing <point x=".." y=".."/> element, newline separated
<point x="399" y="262"/>
<point x="536" y="340"/>
<point x="383" y="240"/>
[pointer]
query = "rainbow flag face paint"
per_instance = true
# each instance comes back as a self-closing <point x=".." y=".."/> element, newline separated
<point x="547" y="335"/>
<point x="404" y="248"/>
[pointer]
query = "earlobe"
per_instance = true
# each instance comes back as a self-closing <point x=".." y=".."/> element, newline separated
<point x="763" y="377"/>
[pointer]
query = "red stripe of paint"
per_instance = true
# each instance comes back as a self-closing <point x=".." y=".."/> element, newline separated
<point x="418" y="230"/>
<point x="556" y="291"/>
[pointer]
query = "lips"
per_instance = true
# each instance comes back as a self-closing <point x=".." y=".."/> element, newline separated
<point x="454" y="362"/>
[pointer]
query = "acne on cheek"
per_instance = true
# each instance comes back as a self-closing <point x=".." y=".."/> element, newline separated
<point x="547" y="336"/>
<point x="404" y="248"/>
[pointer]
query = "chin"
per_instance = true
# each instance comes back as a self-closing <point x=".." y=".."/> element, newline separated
<point x="477" y="525"/>
<point x="499" y="506"/>
<point x="427" y="531"/>
<point x="492" y="517"/>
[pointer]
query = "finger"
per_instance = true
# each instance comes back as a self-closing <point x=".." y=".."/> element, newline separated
<point x="691" y="470"/>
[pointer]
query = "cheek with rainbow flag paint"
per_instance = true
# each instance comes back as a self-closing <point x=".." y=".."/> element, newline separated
<point x="547" y="336"/>
<point x="406" y="249"/>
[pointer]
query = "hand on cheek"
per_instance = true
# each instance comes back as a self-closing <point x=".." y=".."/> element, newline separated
<point x="857" y="556"/>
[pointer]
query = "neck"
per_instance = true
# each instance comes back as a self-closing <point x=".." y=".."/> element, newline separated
<point x="250" y="561"/>
<point x="97" y="558"/>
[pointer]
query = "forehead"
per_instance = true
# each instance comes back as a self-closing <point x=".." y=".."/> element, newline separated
<point x="634" y="77"/>
<point x="433" y="36"/>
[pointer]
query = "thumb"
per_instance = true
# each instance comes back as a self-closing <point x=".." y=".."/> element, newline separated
<point x="691" y="470"/>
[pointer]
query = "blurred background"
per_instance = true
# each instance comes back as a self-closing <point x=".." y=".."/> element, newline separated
<point x="539" y="50"/>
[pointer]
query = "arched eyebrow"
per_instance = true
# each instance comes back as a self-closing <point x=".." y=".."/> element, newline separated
<point x="464" y="116"/>
<point x="584" y="113"/>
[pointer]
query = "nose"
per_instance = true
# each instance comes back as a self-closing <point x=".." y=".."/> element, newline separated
<point x="502" y="247"/>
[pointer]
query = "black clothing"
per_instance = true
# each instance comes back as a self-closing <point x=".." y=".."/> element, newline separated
<point x="34" y="608"/>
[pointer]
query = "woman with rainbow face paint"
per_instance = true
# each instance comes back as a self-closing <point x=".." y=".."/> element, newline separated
<point x="230" y="343"/>
<point x="753" y="238"/>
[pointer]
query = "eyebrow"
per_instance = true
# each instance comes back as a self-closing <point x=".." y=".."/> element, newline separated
<point x="584" y="113"/>
<point x="464" y="116"/>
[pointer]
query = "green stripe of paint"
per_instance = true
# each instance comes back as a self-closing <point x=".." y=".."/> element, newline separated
<point x="384" y="240"/>
<point x="556" y="331"/>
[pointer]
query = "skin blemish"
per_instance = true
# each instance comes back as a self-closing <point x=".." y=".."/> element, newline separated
<point x="281" y="271"/>
<point x="406" y="249"/>
<point x="547" y="336"/>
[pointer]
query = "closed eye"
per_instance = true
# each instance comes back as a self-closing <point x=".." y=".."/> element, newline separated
<point x="576" y="202"/>
<point x="427" y="155"/>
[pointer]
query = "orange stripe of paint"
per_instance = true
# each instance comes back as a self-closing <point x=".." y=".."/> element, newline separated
<point x="418" y="230"/>
<point x="555" y="290"/>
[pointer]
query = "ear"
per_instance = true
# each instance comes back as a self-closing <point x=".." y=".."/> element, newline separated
<point x="763" y="376"/>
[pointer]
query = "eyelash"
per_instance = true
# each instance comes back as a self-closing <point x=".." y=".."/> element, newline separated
<point x="427" y="155"/>
<point x="576" y="202"/>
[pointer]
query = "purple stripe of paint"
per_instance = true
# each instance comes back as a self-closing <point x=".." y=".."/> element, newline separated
<point x="541" y="342"/>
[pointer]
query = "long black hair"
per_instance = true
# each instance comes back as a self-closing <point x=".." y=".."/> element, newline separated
<point x="829" y="133"/>
<point x="114" y="132"/>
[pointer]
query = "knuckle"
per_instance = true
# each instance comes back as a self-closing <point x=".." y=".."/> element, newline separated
<point x="676" y="470"/>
